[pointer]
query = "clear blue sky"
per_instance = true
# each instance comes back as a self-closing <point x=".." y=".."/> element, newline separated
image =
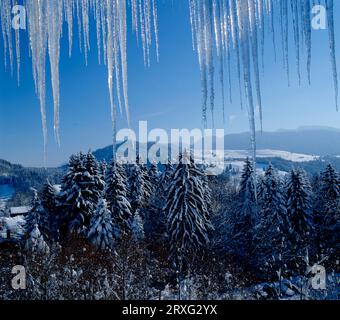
<point x="167" y="95"/>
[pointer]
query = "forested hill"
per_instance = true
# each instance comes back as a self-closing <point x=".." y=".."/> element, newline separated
<point x="23" y="179"/>
<point x="316" y="141"/>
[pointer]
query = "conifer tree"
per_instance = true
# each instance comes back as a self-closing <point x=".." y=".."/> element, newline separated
<point x="140" y="187"/>
<point x="188" y="222"/>
<point x="116" y="194"/>
<point x="49" y="201"/>
<point x="327" y="215"/>
<point x="246" y="214"/>
<point x="37" y="216"/>
<point x="272" y="229"/>
<point x="298" y="202"/>
<point x="102" y="231"/>
<point x="81" y="188"/>
<point x="35" y="243"/>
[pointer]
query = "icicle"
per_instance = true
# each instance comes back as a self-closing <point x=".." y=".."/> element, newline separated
<point x="235" y="31"/>
<point x="330" y="17"/>
<point x="307" y="34"/>
<point x="123" y="55"/>
<point x="295" y="14"/>
<point x="260" y="5"/>
<point x="243" y="23"/>
<point x="254" y="43"/>
<point x="110" y="66"/>
<point x="285" y="38"/>
<point x="98" y="28"/>
<point x="272" y="25"/>
<point x="54" y="30"/>
<point x="68" y="5"/>
<point x="231" y="29"/>
<point x="38" y="44"/>
<point x="17" y="51"/>
<point x="85" y="24"/>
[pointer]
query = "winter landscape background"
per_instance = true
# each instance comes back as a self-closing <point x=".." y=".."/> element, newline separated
<point x="87" y="226"/>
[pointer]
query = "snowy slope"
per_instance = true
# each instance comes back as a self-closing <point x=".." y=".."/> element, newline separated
<point x="269" y="153"/>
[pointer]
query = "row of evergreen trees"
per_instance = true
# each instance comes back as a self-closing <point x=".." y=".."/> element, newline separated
<point x="282" y="224"/>
<point x="177" y="224"/>
<point x="107" y="203"/>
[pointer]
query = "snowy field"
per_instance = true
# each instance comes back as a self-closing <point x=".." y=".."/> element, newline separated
<point x="268" y="153"/>
<point x="236" y="158"/>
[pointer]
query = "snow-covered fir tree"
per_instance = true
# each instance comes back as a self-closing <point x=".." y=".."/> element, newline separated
<point x="166" y="176"/>
<point x="298" y="202"/>
<point x="35" y="243"/>
<point x="80" y="190"/>
<point x="140" y="186"/>
<point x="188" y="222"/>
<point x="245" y="214"/>
<point x="49" y="201"/>
<point x="38" y="216"/>
<point x="155" y="217"/>
<point x="270" y="235"/>
<point x="154" y="176"/>
<point x="97" y="182"/>
<point x="149" y="184"/>
<point x="116" y="194"/>
<point x="103" y="169"/>
<point x="137" y="228"/>
<point x="327" y="213"/>
<point x="102" y="231"/>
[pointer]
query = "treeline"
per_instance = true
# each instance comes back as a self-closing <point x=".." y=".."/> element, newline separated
<point x="22" y="179"/>
<point x="132" y="231"/>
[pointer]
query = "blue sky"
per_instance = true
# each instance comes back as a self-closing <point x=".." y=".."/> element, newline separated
<point x="167" y="95"/>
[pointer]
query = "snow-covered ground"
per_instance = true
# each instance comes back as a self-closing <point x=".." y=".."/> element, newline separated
<point x="15" y="225"/>
<point x="220" y="160"/>
<point x="268" y="153"/>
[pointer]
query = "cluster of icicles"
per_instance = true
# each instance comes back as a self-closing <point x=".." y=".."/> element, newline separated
<point x="45" y="19"/>
<point x="235" y="30"/>
<point x="223" y="30"/>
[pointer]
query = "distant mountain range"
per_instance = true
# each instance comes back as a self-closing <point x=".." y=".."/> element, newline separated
<point x="320" y="141"/>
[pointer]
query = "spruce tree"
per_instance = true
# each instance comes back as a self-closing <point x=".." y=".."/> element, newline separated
<point x="245" y="214"/>
<point x="140" y="186"/>
<point x="37" y="216"/>
<point x="102" y="231"/>
<point x="188" y="222"/>
<point x="155" y="218"/>
<point x="328" y="215"/>
<point x="81" y="188"/>
<point x="154" y="177"/>
<point x="272" y="229"/>
<point x="116" y="194"/>
<point x="49" y="201"/>
<point x="35" y="243"/>
<point x="166" y="177"/>
<point x="298" y="202"/>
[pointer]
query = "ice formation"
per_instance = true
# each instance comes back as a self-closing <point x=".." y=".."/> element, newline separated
<point x="45" y="19"/>
<point x="223" y="31"/>
<point x="235" y="29"/>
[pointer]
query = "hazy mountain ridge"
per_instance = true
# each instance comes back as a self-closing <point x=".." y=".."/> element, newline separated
<point x="309" y="140"/>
